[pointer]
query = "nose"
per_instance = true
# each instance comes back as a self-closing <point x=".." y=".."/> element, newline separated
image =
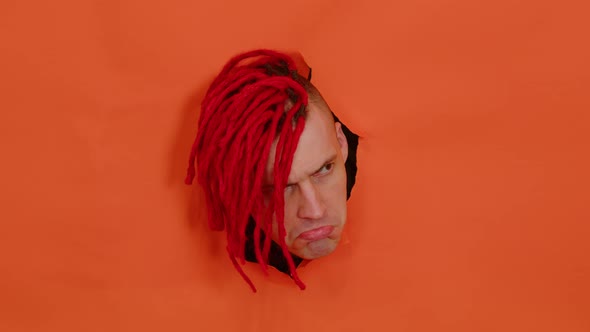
<point x="311" y="205"/>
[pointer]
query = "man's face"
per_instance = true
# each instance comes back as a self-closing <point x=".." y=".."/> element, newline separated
<point x="315" y="197"/>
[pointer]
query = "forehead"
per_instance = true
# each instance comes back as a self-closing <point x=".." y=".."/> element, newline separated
<point x="317" y="143"/>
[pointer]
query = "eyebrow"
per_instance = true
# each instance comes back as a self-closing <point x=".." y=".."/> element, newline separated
<point x="332" y="158"/>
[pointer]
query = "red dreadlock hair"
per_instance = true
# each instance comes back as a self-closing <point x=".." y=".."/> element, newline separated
<point x="258" y="97"/>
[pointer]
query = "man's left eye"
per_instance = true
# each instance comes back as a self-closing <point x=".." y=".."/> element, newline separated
<point x="326" y="169"/>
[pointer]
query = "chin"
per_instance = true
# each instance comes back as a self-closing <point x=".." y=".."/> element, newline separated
<point x="319" y="248"/>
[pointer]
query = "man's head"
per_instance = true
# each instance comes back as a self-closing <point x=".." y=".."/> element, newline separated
<point x="268" y="148"/>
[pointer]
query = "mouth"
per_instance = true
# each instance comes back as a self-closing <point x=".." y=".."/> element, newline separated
<point x="317" y="233"/>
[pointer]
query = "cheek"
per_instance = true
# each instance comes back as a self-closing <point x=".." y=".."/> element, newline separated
<point x="290" y="221"/>
<point x="334" y="190"/>
<point x="337" y="201"/>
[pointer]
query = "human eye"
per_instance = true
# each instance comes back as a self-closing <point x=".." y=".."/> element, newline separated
<point x="327" y="168"/>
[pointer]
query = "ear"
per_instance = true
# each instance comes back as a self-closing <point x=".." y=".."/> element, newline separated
<point x="341" y="140"/>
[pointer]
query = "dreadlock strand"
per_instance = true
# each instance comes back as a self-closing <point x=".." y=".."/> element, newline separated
<point x="284" y="154"/>
<point x="260" y="172"/>
<point x="240" y="270"/>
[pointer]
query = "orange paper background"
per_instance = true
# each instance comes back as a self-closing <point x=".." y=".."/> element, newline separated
<point x="471" y="207"/>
